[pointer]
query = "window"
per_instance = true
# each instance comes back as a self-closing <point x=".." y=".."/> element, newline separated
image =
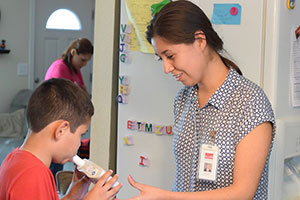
<point x="63" y="19"/>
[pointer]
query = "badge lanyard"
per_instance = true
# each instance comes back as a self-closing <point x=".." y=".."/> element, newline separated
<point x="208" y="159"/>
<point x="208" y="156"/>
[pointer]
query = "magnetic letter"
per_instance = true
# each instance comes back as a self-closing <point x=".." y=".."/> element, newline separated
<point x="144" y="161"/>
<point x="148" y="128"/>
<point x="123" y="89"/>
<point x="124" y="80"/>
<point x="123" y="58"/>
<point x="159" y="130"/>
<point x="122" y="37"/>
<point x="123" y="27"/>
<point x="131" y="125"/>
<point x="121" y="79"/>
<point x="141" y="126"/>
<point x="128" y="140"/>
<point x="122" y="47"/>
<point x="122" y="99"/>
<point x="169" y="132"/>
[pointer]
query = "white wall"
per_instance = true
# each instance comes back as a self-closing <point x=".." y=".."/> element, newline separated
<point x="14" y="28"/>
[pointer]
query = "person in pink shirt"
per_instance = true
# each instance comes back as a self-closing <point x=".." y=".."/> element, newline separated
<point x="76" y="56"/>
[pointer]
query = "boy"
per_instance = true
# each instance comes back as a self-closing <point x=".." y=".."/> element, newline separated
<point x="58" y="114"/>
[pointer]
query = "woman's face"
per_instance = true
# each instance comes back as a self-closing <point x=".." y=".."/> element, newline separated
<point x="185" y="61"/>
<point x="80" y="60"/>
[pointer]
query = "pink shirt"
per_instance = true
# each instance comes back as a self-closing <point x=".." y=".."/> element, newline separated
<point x="58" y="69"/>
<point x="24" y="177"/>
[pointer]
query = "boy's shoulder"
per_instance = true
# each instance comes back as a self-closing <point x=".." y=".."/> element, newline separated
<point x="21" y="170"/>
<point x="19" y="162"/>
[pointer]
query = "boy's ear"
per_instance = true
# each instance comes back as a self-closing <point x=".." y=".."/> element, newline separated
<point x="61" y="129"/>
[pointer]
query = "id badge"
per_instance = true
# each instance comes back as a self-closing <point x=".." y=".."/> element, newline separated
<point x="208" y="162"/>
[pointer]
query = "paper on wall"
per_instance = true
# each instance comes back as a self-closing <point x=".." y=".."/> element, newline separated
<point x="295" y="69"/>
<point x="139" y="16"/>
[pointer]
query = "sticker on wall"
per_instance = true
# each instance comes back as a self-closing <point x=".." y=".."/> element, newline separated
<point x="229" y="14"/>
<point x="144" y="161"/>
<point x="128" y="140"/>
<point x="291" y="4"/>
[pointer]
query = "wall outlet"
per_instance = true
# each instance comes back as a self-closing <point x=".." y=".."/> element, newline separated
<point x="22" y="69"/>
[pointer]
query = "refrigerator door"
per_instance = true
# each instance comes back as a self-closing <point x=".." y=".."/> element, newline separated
<point x="150" y="92"/>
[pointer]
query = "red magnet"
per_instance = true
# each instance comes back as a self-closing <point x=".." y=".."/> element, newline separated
<point x="233" y="11"/>
<point x="297" y="32"/>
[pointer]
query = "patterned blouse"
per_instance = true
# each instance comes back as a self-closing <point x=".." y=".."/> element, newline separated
<point x="233" y="111"/>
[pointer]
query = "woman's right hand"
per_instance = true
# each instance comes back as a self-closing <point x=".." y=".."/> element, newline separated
<point x="147" y="192"/>
<point x="104" y="190"/>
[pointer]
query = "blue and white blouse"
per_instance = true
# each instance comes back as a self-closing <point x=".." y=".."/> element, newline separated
<point x="233" y="111"/>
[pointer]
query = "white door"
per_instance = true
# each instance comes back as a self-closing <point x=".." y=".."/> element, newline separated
<point x="49" y="44"/>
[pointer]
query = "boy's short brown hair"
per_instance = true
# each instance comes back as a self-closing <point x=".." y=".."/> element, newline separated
<point x="58" y="99"/>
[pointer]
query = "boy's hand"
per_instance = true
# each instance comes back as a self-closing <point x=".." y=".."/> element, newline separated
<point x="103" y="190"/>
<point x="79" y="186"/>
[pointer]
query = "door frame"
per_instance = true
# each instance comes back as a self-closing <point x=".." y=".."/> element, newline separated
<point x="31" y="43"/>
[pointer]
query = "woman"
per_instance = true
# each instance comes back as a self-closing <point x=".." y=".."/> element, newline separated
<point x="76" y="56"/>
<point x="221" y="118"/>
